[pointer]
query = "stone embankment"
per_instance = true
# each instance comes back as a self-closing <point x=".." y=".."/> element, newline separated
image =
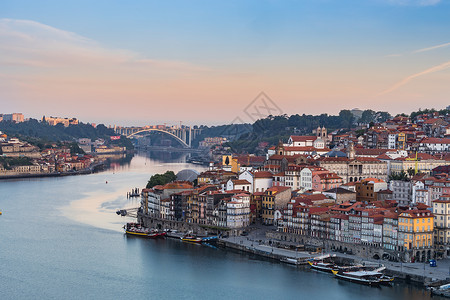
<point x="271" y="244"/>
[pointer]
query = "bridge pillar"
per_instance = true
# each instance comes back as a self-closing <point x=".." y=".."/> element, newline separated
<point x="190" y="137"/>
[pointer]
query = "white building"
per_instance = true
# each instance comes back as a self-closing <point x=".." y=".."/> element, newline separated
<point x="434" y="145"/>
<point x="392" y="141"/>
<point x="238" y="211"/>
<point x="401" y="191"/>
<point x="238" y="184"/>
<point x="262" y="181"/>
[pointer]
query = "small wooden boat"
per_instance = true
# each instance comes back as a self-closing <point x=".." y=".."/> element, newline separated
<point x="371" y="278"/>
<point x="136" y="229"/>
<point x="291" y="261"/>
<point x="191" y="239"/>
<point x="322" y="266"/>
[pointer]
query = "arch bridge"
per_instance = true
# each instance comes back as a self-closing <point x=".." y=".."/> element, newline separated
<point x="184" y="135"/>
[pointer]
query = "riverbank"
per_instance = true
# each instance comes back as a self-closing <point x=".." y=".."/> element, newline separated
<point x="96" y="168"/>
<point x="256" y="243"/>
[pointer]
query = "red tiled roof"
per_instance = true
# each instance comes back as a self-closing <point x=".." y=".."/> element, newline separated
<point x="302" y="138"/>
<point x="306" y="149"/>
<point x="431" y="140"/>
<point x="263" y="174"/>
<point x="240" y="181"/>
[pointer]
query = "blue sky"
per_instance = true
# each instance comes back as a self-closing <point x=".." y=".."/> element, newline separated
<point x="381" y="54"/>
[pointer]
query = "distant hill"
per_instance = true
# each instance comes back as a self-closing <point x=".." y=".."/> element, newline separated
<point x="38" y="133"/>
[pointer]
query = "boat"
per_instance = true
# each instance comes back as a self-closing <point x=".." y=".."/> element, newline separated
<point x="371" y="278"/>
<point x="322" y="266"/>
<point x="191" y="239"/>
<point x="155" y="234"/>
<point x="319" y="263"/>
<point x="291" y="261"/>
<point x="137" y="229"/>
<point x="386" y="280"/>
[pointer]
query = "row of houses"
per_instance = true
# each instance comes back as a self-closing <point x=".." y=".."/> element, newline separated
<point x="381" y="224"/>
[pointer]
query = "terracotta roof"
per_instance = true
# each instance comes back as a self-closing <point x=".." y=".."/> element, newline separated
<point x="430" y="140"/>
<point x="302" y="138"/>
<point x="370" y="179"/>
<point x="263" y="174"/>
<point x="364" y="151"/>
<point x="240" y="181"/>
<point x="305" y="148"/>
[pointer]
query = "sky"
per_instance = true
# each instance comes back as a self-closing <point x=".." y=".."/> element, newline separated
<point x="148" y="62"/>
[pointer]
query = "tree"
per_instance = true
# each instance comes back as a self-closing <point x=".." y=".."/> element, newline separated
<point x="161" y="179"/>
<point x="403" y="176"/>
<point x="382" y="116"/>
<point x="346" y="118"/>
<point x="367" y="116"/>
<point x="411" y="172"/>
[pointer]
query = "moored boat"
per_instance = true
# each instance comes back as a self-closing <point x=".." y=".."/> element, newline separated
<point x="320" y="263"/>
<point x="137" y="229"/>
<point x="322" y="266"/>
<point x="291" y="261"/>
<point x="371" y="278"/>
<point x="191" y="239"/>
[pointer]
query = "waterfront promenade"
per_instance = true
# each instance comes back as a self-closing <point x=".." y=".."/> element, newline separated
<point x="256" y="241"/>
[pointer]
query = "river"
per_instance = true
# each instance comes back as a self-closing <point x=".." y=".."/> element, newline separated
<point x="61" y="239"/>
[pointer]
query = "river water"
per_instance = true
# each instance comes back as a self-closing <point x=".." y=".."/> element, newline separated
<point x="61" y="239"/>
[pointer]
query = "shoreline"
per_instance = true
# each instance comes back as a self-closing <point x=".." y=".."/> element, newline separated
<point x="259" y="243"/>
<point x="416" y="273"/>
<point x="92" y="170"/>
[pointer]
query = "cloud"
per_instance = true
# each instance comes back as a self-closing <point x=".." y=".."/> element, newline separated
<point x="31" y="44"/>
<point x="420" y="50"/>
<point x="431" y="48"/>
<point x="437" y="68"/>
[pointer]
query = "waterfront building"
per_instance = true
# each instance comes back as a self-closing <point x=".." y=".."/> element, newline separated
<point x="238" y="211"/>
<point x="273" y="199"/>
<point x="390" y="234"/>
<point x="339" y="228"/>
<point x="441" y="212"/>
<point x="416" y="233"/>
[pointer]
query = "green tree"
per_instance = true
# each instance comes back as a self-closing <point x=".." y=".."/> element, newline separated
<point x="161" y="179"/>
<point x="346" y="118"/>
<point x="367" y="116"/>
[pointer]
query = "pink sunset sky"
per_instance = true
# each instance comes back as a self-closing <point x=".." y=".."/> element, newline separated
<point x="210" y="71"/>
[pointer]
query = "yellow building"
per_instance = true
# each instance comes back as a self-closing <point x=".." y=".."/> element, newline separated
<point x="230" y="164"/>
<point x="416" y="233"/>
<point x="401" y="141"/>
<point x="425" y="163"/>
<point x="274" y="198"/>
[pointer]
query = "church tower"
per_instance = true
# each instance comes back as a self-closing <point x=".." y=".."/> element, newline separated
<point x="322" y="133"/>
<point x="351" y="151"/>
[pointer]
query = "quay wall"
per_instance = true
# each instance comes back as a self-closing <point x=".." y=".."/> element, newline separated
<point x="361" y="252"/>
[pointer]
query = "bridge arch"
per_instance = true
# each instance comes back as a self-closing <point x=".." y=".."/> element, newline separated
<point x="183" y="143"/>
